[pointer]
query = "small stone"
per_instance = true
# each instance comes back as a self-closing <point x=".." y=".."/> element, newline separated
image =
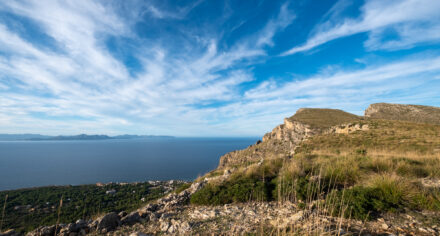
<point x="164" y="226"/>
<point x="384" y="226"/>
<point x="122" y="214"/>
<point x="138" y="234"/>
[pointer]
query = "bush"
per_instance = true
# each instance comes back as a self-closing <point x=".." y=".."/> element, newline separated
<point x="182" y="188"/>
<point x="237" y="190"/>
<point x="366" y="202"/>
<point x="386" y="194"/>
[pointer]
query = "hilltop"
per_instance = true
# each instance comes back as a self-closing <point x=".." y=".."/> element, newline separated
<point x="322" y="118"/>
<point x="323" y="171"/>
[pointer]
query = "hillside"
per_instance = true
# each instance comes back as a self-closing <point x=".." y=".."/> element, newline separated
<point x="412" y="113"/>
<point x="321" y="172"/>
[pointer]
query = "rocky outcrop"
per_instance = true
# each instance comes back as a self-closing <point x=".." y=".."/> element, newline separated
<point x="347" y="128"/>
<point x="292" y="132"/>
<point x="285" y="138"/>
<point x="412" y="113"/>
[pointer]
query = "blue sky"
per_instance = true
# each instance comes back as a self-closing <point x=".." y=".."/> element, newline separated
<point x="208" y="68"/>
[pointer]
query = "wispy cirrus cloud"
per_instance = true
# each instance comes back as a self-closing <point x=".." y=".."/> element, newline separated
<point x="104" y="67"/>
<point x="82" y="82"/>
<point x="410" y="22"/>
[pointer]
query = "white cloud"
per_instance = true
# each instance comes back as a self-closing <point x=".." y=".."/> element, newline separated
<point x="204" y="90"/>
<point x="414" y="22"/>
<point x="284" y="19"/>
<point x="82" y="86"/>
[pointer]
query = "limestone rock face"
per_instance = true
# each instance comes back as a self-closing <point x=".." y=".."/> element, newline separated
<point x="285" y="138"/>
<point x="291" y="131"/>
<point x="412" y="113"/>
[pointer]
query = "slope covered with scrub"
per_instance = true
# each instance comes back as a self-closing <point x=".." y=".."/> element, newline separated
<point x="412" y="113"/>
<point x="373" y="166"/>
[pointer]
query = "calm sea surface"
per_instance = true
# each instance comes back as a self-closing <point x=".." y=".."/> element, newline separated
<point x="40" y="163"/>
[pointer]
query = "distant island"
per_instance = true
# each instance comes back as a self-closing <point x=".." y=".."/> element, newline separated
<point x="39" y="137"/>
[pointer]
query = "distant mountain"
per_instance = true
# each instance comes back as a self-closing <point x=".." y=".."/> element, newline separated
<point x="76" y="137"/>
<point x="129" y="136"/>
<point x="17" y="137"/>
<point x="38" y="137"/>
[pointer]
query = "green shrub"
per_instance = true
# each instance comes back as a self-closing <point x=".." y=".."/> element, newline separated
<point x="362" y="152"/>
<point x="387" y="194"/>
<point x="412" y="171"/>
<point x="366" y="202"/>
<point x="237" y="190"/>
<point x="182" y="188"/>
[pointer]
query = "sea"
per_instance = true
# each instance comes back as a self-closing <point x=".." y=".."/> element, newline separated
<point x="25" y="164"/>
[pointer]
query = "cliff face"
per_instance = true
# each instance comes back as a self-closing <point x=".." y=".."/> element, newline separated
<point x="283" y="139"/>
<point x="291" y="131"/>
<point x="281" y="142"/>
<point x="412" y="113"/>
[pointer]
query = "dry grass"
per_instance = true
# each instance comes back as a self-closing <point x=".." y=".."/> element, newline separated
<point x="3" y="213"/>
<point x="323" y="118"/>
<point x="413" y="113"/>
<point x="359" y="175"/>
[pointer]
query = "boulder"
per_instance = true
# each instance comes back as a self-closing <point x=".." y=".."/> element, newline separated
<point x="46" y="230"/>
<point x="131" y="218"/>
<point x="108" y="222"/>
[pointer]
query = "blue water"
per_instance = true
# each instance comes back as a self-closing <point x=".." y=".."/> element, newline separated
<point x="41" y="163"/>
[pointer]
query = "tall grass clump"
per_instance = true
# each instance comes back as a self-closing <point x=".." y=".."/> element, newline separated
<point x="3" y="212"/>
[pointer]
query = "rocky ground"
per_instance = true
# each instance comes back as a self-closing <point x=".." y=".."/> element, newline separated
<point x="172" y="215"/>
<point x="274" y="219"/>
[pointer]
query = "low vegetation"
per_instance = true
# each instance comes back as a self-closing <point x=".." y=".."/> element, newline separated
<point x="323" y="118"/>
<point x="358" y="175"/>
<point x="27" y="209"/>
<point x="412" y="113"/>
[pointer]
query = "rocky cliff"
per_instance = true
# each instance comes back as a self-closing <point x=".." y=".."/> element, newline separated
<point x="283" y="139"/>
<point x="412" y="113"/>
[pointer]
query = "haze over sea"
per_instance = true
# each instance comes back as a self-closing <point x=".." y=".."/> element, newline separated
<point x="40" y="163"/>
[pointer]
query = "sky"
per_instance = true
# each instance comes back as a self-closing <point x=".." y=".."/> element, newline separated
<point x="208" y="68"/>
